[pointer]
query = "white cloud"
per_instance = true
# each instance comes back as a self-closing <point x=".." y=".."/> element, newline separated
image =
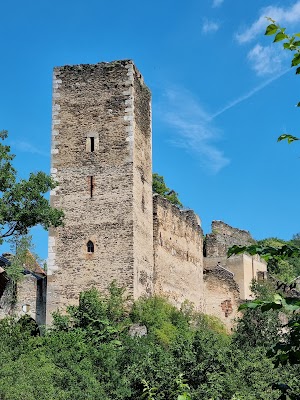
<point x="217" y="3"/>
<point x="210" y="26"/>
<point x="193" y="129"/>
<point x="290" y="15"/>
<point x="28" y="148"/>
<point x="266" y="60"/>
<point x="249" y="94"/>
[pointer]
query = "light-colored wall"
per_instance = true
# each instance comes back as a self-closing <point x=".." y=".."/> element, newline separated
<point x="178" y="259"/>
<point x="109" y="101"/>
<point x="245" y="269"/>
<point x="241" y="269"/>
<point x="142" y="187"/>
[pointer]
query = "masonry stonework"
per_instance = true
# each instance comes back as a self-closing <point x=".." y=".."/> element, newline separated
<point x="104" y="182"/>
<point x="224" y="236"/>
<point x="178" y="260"/>
<point x="221" y="296"/>
<point x="27" y="297"/>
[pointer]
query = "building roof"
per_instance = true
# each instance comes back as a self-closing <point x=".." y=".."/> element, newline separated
<point x="4" y="261"/>
<point x="30" y="265"/>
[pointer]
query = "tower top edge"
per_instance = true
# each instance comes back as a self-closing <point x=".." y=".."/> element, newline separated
<point x="110" y="64"/>
<point x="77" y="68"/>
<point x="123" y="61"/>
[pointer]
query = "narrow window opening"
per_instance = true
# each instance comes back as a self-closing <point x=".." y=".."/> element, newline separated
<point x="90" y="247"/>
<point x="143" y="203"/>
<point x="92" y="144"/>
<point x="91" y="186"/>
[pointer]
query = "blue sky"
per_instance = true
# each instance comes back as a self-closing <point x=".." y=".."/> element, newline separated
<point x="222" y="94"/>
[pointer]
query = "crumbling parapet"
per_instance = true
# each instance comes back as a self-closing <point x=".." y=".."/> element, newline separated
<point x="178" y="259"/>
<point x="223" y="237"/>
<point x="244" y="267"/>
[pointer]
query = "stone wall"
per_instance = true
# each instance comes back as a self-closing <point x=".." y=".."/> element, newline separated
<point x="223" y="237"/>
<point x="142" y="188"/>
<point x="221" y="296"/>
<point x="178" y="260"/>
<point x="245" y="268"/>
<point x="101" y="157"/>
<point x="29" y="299"/>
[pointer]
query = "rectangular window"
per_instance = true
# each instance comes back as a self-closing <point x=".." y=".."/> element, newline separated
<point x="92" y="144"/>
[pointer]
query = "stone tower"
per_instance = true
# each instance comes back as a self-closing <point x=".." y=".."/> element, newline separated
<point x="101" y="159"/>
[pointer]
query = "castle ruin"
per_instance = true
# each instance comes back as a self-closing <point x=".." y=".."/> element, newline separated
<point x="115" y="228"/>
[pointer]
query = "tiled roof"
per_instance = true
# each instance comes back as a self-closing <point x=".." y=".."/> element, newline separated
<point x="30" y="265"/>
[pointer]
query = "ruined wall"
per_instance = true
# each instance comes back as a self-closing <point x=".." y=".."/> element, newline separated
<point x="245" y="268"/>
<point x="178" y="260"/>
<point x="221" y="296"/>
<point x="224" y="236"/>
<point x="101" y="157"/>
<point x="26" y="295"/>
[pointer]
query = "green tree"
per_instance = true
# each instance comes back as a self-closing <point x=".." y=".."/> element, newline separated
<point x="296" y="239"/>
<point x="89" y="354"/>
<point x="287" y="269"/>
<point x="159" y="187"/>
<point x="22" y="202"/>
<point x="290" y="43"/>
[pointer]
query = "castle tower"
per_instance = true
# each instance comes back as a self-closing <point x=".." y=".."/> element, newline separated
<point x="101" y="158"/>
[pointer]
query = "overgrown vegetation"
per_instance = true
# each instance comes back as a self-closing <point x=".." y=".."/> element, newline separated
<point x="89" y="354"/>
<point x="159" y="187"/>
<point x="22" y="202"/>
<point x="282" y="256"/>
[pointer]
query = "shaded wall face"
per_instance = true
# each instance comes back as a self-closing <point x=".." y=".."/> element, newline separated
<point x="178" y="259"/>
<point x="221" y="298"/>
<point x="41" y="298"/>
<point x="142" y="189"/>
<point x="101" y="149"/>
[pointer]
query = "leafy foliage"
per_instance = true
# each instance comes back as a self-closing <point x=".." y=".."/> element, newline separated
<point x="159" y="187"/>
<point x="282" y="340"/>
<point x="22" y="202"/>
<point x="282" y="256"/>
<point x="89" y="354"/>
<point x="291" y="43"/>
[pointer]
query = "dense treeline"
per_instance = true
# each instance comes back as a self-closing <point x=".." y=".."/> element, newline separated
<point x="285" y="268"/>
<point x="89" y="354"/>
